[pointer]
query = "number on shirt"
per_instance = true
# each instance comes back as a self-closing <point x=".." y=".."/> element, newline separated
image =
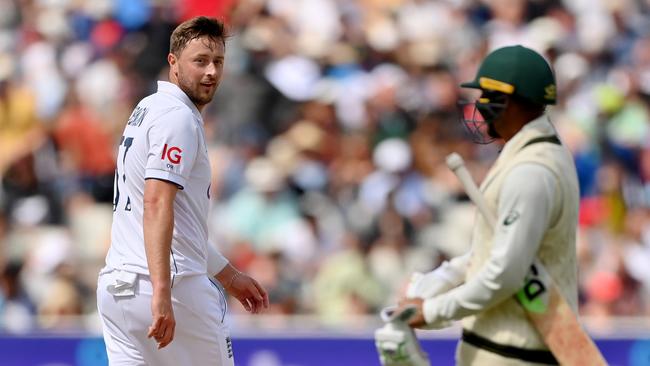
<point x="127" y="142"/>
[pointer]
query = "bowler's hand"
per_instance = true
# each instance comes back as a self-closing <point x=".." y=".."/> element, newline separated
<point x="163" y="323"/>
<point x="417" y="320"/>
<point x="249" y="293"/>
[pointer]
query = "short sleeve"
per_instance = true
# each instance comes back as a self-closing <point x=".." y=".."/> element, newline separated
<point x="173" y="143"/>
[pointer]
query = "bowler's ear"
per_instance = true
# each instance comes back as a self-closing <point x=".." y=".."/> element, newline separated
<point x="171" y="59"/>
<point x="173" y="65"/>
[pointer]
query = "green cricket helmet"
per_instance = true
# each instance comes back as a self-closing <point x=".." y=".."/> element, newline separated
<point x="513" y="70"/>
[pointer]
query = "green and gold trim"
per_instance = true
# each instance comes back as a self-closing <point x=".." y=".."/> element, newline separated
<point x="491" y="84"/>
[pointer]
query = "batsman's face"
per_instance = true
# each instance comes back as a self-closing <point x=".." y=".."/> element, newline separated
<point x="491" y="105"/>
<point x="483" y="117"/>
<point x="198" y="69"/>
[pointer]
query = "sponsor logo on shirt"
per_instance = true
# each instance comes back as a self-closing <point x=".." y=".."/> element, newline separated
<point x="534" y="296"/>
<point x="512" y="217"/>
<point x="171" y="154"/>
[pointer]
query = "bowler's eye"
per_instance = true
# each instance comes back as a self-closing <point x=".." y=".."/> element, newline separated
<point x="199" y="61"/>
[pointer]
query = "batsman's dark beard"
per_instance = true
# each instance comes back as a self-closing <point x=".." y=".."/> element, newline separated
<point x="491" y="113"/>
<point x="491" y="131"/>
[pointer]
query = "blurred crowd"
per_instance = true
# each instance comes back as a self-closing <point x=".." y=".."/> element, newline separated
<point x="328" y="136"/>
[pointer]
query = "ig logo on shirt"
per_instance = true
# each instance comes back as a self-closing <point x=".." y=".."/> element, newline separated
<point x="171" y="154"/>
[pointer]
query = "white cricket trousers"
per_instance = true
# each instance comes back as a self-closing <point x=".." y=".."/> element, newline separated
<point x="200" y="338"/>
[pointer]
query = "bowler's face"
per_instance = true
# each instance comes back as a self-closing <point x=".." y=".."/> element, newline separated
<point x="198" y="69"/>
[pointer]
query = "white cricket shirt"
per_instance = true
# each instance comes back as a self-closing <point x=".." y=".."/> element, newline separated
<point x="164" y="139"/>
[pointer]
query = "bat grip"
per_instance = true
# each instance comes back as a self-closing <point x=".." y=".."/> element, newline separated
<point x="472" y="190"/>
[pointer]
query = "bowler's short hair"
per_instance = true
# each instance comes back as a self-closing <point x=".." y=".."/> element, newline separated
<point x="195" y="28"/>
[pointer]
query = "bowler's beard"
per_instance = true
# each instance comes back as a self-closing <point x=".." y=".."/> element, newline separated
<point x="192" y="91"/>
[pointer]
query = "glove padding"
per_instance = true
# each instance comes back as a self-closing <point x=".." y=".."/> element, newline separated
<point x="396" y="341"/>
<point x="434" y="283"/>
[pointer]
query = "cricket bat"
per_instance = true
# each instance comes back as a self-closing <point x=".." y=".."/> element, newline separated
<point x="546" y="308"/>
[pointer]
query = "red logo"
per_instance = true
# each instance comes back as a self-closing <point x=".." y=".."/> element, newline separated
<point x="173" y="154"/>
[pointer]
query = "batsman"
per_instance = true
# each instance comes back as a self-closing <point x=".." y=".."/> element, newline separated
<point x="532" y="191"/>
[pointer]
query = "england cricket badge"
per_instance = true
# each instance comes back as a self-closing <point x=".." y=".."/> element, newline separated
<point x="512" y="217"/>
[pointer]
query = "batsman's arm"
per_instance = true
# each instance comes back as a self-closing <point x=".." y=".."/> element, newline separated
<point x="448" y="275"/>
<point x="524" y="213"/>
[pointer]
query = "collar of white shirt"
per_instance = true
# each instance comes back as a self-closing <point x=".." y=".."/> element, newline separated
<point x="175" y="91"/>
<point x="543" y="127"/>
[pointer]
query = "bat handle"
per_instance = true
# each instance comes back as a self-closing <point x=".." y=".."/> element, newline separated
<point x="457" y="165"/>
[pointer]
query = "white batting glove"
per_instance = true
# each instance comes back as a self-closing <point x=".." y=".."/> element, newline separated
<point x="434" y="283"/>
<point x="396" y="341"/>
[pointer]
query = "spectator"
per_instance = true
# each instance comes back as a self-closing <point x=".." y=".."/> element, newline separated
<point x="16" y="308"/>
<point x="328" y="138"/>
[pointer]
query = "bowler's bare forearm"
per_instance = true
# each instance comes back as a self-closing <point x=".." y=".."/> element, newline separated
<point x="158" y="225"/>
<point x="226" y="275"/>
